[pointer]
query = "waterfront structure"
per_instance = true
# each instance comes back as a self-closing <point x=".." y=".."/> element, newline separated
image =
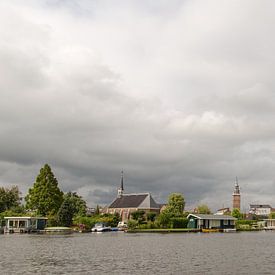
<point x="236" y="196"/>
<point x="203" y="221"/>
<point x="269" y="224"/>
<point x="260" y="209"/>
<point x="24" y="224"/>
<point x="125" y="204"/>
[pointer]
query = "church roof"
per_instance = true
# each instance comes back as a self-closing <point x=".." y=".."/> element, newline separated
<point x="143" y="201"/>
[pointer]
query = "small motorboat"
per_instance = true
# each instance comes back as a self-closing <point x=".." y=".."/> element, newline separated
<point x="210" y="230"/>
<point x="101" y="227"/>
<point x="230" y="230"/>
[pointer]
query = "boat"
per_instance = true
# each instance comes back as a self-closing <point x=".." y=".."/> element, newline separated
<point x="210" y="230"/>
<point x="230" y="230"/>
<point x="101" y="227"/>
<point x="58" y="230"/>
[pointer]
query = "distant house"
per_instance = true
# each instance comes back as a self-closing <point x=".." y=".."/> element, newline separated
<point x="223" y="211"/>
<point x="125" y="204"/>
<point x="203" y="221"/>
<point x="24" y="224"/>
<point x="260" y="209"/>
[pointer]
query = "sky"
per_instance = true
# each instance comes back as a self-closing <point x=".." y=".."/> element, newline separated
<point x="178" y="94"/>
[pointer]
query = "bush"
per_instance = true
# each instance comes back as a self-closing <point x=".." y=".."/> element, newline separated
<point x="151" y="216"/>
<point x="178" y="222"/>
<point x="52" y="220"/>
<point x="132" y="224"/>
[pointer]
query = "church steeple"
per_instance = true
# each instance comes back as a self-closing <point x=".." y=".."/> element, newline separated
<point x="121" y="188"/>
<point x="236" y="195"/>
<point x="237" y="187"/>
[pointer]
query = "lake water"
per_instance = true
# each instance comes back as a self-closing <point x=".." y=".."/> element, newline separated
<point x="121" y="253"/>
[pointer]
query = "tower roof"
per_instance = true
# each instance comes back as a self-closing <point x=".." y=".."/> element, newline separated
<point x="237" y="187"/>
<point x="121" y="181"/>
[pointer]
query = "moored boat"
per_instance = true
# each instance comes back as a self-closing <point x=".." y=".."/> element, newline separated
<point x="210" y="230"/>
<point x="101" y="227"/>
<point x="230" y="230"/>
<point x="58" y="230"/>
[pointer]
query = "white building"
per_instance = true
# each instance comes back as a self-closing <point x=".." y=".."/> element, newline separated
<point x="260" y="209"/>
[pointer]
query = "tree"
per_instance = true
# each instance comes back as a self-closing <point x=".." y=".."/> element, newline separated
<point x="236" y="213"/>
<point x="138" y="216"/>
<point x="73" y="205"/>
<point x="176" y="204"/>
<point x="78" y="205"/>
<point x="65" y="213"/>
<point x="97" y="210"/>
<point x="9" y="198"/>
<point x="151" y="216"/>
<point x="203" y="209"/>
<point x="45" y="196"/>
<point x="164" y="218"/>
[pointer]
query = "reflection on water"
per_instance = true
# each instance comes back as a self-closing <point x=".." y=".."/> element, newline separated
<point x="120" y="253"/>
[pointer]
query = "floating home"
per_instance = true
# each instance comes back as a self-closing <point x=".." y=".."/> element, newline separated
<point x="24" y="224"/>
<point x="203" y="221"/>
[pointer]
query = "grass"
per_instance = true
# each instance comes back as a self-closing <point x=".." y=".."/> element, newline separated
<point x="162" y="230"/>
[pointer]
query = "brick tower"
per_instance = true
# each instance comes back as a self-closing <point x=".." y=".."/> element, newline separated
<point x="236" y="196"/>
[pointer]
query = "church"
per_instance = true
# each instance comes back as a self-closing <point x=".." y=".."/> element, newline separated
<point x="125" y="204"/>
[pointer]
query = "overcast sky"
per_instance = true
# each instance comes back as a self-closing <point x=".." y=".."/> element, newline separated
<point x="178" y="94"/>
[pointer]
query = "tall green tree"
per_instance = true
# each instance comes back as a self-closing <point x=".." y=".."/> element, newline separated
<point x="73" y="205"/>
<point x="9" y="198"/>
<point x="203" y="209"/>
<point x="65" y="213"/>
<point x="176" y="204"/>
<point x="77" y="203"/>
<point x="45" y="196"/>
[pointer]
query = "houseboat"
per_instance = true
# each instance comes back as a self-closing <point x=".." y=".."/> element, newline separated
<point x="211" y="223"/>
<point x="24" y="224"/>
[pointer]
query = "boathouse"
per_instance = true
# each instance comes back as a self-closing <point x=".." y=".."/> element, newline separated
<point x="24" y="224"/>
<point x="203" y="221"/>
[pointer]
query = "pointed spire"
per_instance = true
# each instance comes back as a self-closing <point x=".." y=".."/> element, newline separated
<point x="236" y="182"/>
<point x="121" y="181"/>
<point x="237" y="187"/>
<point x="121" y="188"/>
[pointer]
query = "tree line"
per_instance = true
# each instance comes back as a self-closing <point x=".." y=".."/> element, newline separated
<point x="44" y="198"/>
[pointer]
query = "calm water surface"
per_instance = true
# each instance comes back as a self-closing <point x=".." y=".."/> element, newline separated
<point x="121" y="253"/>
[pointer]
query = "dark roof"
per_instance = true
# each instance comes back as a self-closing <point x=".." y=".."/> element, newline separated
<point x="128" y="201"/>
<point x="260" y="206"/>
<point x="143" y="200"/>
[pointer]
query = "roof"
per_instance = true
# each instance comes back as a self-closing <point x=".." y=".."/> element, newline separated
<point x="260" y="206"/>
<point x="24" y="218"/>
<point x="225" y="208"/>
<point x="143" y="200"/>
<point x="212" y="217"/>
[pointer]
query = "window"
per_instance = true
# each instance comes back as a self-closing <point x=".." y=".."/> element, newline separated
<point x="225" y="222"/>
<point x="22" y="224"/>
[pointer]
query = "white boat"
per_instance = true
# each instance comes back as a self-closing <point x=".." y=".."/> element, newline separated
<point x="230" y="230"/>
<point x="101" y="227"/>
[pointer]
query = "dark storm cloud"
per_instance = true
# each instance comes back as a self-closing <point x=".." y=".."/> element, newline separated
<point x="180" y="95"/>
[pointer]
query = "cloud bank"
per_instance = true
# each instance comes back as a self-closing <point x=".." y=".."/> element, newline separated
<point x="179" y="94"/>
